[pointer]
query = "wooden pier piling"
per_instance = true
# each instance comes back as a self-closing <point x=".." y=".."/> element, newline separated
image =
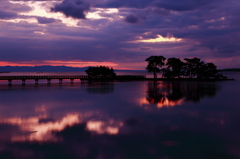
<point x="82" y="78"/>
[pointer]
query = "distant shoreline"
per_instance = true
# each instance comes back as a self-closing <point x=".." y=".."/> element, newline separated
<point x="188" y="79"/>
<point x="230" y="70"/>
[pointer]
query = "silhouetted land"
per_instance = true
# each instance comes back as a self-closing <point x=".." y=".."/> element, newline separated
<point x="176" y="68"/>
<point x="190" y="79"/>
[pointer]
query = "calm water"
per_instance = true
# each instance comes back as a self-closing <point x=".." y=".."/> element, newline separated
<point x="121" y="120"/>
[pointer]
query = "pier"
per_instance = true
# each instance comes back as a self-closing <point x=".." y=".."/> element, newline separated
<point x="70" y="77"/>
<point x="83" y="78"/>
<point x="44" y="77"/>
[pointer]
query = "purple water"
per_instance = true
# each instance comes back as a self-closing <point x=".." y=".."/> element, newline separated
<point x="123" y="120"/>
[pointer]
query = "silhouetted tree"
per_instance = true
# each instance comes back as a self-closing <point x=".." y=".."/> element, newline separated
<point x="174" y="68"/>
<point x="154" y="64"/>
<point x="209" y="70"/>
<point x="100" y="71"/>
<point x="193" y="66"/>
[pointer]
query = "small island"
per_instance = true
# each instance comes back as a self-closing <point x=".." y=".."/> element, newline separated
<point x="170" y="69"/>
<point x="189" y="69"/>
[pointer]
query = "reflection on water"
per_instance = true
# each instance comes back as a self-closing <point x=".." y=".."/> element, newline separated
<point x="100" y="127"/>
<point x="104" y="120"/>
<point x="159" y="103"/>
<point x="100" y="87"/>
<point x="169" y="94"/>
<point x="37" y="129"/>
<point x="41" y="129"/>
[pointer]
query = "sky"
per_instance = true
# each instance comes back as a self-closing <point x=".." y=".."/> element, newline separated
<point x="118" y="33"/>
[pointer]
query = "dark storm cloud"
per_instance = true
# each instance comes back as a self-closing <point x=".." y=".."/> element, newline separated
<point x="7" y="15"/>
<point x="159" y="11"/>
<point x="43" y="20"/>
<point x="124" y="3"/>
<point x="131" y="19"/>
<point x="72" y="8"/>
<point x="182" y="5"/>
<point x="176" y="5"/>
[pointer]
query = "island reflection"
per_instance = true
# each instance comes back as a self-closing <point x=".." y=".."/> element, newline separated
<point x="169" y="94"/>
<point x="100" y="87"/>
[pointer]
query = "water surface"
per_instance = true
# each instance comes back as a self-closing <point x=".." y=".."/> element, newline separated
<point x="122" y="120"/>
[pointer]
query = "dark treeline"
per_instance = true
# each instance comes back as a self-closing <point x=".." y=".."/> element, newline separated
<point x="176" y="68"/>
<point x="100" y="71"/>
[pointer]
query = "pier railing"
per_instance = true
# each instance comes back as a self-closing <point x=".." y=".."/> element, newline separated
<point x="43" y="77"/>
<point x="71" y="77"/>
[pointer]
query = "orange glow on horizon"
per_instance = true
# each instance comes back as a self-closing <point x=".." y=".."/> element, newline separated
<point x="73" y="63"/>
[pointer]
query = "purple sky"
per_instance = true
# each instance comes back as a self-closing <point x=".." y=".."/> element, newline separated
<point x="118" y="33"/>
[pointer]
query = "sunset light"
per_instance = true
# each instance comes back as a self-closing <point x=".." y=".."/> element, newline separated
<point x="159" y="39"/>
<point x="119" y="79"/>
<point x="73" y="63"/>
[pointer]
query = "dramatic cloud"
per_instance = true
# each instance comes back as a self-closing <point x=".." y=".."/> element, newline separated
<point x="124" y="3"/>
<point x="7" y="15"/>
<point x="10" y="10"/>
<point x="43" y="20"/>
<point x="187" y="28"/>
<point x="159" y="39"/>
<point x="72" y="8"/>
<point x="131" y="19"/>
<point x="11" y="6"/>
<point x="183" y="5"/>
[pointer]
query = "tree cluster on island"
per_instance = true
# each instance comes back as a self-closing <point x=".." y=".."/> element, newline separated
<point x="175" y="68"/>
<point x="100" y="72"/>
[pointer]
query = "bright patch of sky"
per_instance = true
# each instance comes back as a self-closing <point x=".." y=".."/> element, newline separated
<point x="19" y="20"/>
<point x="159" y="38"/>
<point x="42" y="9"/>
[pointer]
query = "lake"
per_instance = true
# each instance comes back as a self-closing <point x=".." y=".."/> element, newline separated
<point x="120" y="120"/>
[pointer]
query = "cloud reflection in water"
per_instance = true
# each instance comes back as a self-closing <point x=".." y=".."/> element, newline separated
<point x="33" y="130"/>
<point x="100" y="127"/>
